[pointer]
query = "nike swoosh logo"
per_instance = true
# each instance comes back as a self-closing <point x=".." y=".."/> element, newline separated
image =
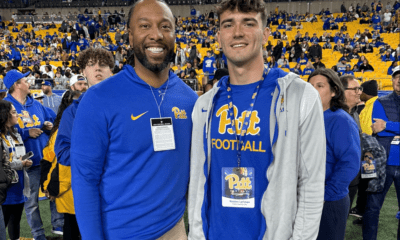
<point x="203" y="110"/>
<point x="137" y="117"/>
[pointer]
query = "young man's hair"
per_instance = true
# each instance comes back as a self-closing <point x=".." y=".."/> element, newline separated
<point x="97" y="55"/>
<point x="244" y="6"/>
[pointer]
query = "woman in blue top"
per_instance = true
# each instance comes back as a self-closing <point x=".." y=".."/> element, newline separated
<point x="343" y="153"/>
<point x="308" y="69"/>
<point x="14" y="147"/>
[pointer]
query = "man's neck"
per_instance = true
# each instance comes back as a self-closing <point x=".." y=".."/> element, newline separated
<point x="154" y="79"/>
<point x="250" y="72"/>
<point x="20" y="97"/>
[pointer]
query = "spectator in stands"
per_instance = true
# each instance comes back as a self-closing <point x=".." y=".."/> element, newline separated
<point x="354" y="54"/>
<point x="365" y="66"/>
<point x="367" y="48"/>
<point x="341" y="66"/>
<point x="343" y="27"/>
<point x="50" y="99"/>
<point x="297" y="69"/>
<point x="386" y="122"/>
<point x="208" y="63"/>
<point x="13" y="170"/>
<point x="392" y="66"/>
<point x="387" y="17"/>
<point x="308" y="69"/>
<point x="388" y="57"/>
<point x="327" y="45"/>
<point x="348" y="71"/>
<point x="341" y="152"/>
<point x="318" y="64"/>
<point x="315" y="51"/>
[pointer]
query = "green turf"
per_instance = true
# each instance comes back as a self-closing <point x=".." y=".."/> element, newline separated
<point x="387" y="221"/>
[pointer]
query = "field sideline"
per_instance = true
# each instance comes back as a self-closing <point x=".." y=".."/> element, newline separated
<point x="387" y="222"/>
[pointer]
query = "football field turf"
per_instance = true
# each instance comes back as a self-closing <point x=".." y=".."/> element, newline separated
<point x="387" y="221"/>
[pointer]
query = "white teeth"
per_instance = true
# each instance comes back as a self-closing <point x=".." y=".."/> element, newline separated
<point x="238" y="45"/>
<point x="155" y="50"/>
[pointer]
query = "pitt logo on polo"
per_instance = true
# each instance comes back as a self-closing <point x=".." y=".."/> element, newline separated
<point x="224" y="121"/>
<point x="179" y="114"/>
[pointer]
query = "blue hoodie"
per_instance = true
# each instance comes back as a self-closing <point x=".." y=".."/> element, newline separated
<point x="39" y="115"/>
<point x="343" y="153"/>
<point x="123" y="189"/>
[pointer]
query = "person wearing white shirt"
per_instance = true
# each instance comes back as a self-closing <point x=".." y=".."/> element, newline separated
<point x="387" y="16"/>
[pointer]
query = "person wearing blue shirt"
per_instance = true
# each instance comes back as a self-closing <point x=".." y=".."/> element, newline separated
<point x="348" y="71"/>
<point x="282" y="25"/>
<point x="343" y="151"/>
<point x="302" y="59"/>
<point x="378" y="28"/>
<point x="314" y="38"/>
<point x="308" y="69"/>
<point x="388" y="57"/>
<point x="327" y="12"/>
<point x="33" y="117"/>
<point x="193" y="12"/>
<point x="147" y="198"/>
<point x="375" y="19"/>
<point x="386" y="129"/>
<point x="239" y="136"/>
<point x="208" y="65"/>
<point x="392" y="66"/>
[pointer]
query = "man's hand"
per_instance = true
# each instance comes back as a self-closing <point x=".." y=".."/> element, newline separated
<point x="35" y="132"/>
<point x="378" y="126"/>
<point x="27" y="163"/>
<point x="52" y="198"/>
<point x="48" y="125"/>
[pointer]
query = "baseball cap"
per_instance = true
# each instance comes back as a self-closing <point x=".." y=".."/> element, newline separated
<point x="12" y="76"/>
<point x="47" y="83"/>
<point x="343" y="59"/>
<point x="38" y="95"/>
<point x="76" y="78"/>
<point x="396" y="70"/>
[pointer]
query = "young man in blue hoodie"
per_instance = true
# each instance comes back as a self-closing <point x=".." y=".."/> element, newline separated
<point x="130" y="152"/>
<point x="258" y="144"/>
<point x="97" y="65"/>
<point x="34" y="125"/>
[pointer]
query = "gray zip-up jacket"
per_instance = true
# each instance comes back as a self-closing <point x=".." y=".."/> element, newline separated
<point x="293" y="201"/>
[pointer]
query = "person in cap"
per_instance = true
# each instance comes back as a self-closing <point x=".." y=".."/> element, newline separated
<point x="78" y="83"/>
<point x="386" y="129"/>
<point x="250" y="173"/>
<point x="123" y="133"/>
<point x="96" y="65"/>
<point x="50" y="100"/>
<point x="39" y="97"/>
<point x="342" y="65"/>
<point x="34" y="125"/>
<point x="315" y="51"/>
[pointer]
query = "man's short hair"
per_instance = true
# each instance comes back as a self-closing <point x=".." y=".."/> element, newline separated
<point x="244" y="6"/>
<point x="97" y="55"/>
<point x="12" y="88"/>
<point x="345" y="80"/>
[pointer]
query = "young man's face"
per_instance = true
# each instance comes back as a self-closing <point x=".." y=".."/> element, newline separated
<point x="242" y="36"/>
<point x="96" y="72"/>
<point x="152" y="35"/>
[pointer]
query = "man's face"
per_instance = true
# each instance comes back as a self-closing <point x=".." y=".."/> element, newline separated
<point x="23" y="86"/>
<point x="96" y="72"/>
<point x="352" y="96"/>
<point x="81" y="86"/>
<point x="242" y="36"/>
<point x="396" y="83"/>
<point x="46" y="89"/>
<point x="152" y="35"/>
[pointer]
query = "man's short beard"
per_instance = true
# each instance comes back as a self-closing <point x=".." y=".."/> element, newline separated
<point x="141" y="56"/>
